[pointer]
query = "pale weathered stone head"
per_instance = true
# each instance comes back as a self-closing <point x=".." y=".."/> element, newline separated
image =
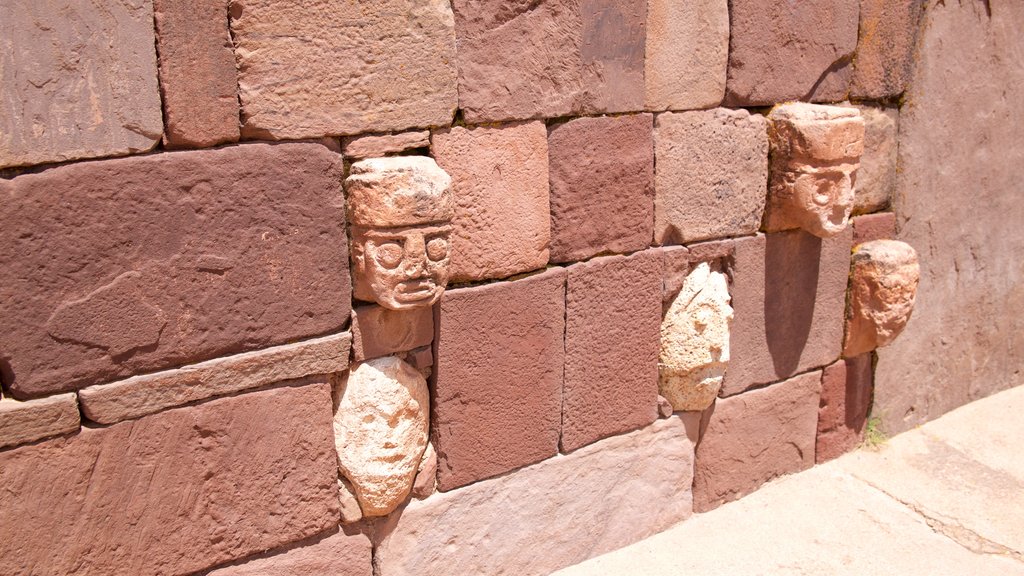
<point x="695" y="340"/>
<point x="815" y="154"/>
<point x="883" y="285"/>
<point x="400" y="211"/>
<point x="381" y="422"/>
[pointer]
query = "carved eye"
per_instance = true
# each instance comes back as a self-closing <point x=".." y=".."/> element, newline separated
<point x="437" y="249"/>
<point x="389" y="254"/>
<point x="823" y="192"/>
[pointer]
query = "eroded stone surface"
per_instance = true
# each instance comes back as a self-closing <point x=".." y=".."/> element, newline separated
<point x="712" y="169"/>
<point x="602" y="186"/>
<point x="879" y="226"/>
<point x="338" y="554"/>
<point x="374" y="145"/>
<point x="888" y="33"/>
<point x="66" y="97"/>
<point x="297" y="64"/>
<point x="843" y="408"/>
<point x="139" y="264"/>
<point x="562" y="511"/>
<point x="876" y="178"/>
<point x="381" y="423"/>
<point x="149" y="393"/>
<point x="377" y="331"/>
<point x="24" y="422"/>
<point x="695" y="340"/>
<point x="502" y="224"/>
<point x="883" y="286"/>
<point x="426" y="477"/>
<point x="686" y="55"/>
<point x="815" y="154"/>
<point x="174" y="492"/>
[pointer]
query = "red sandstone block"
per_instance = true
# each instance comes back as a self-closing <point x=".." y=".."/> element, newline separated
<point x="134" y="265"/>
<point x="754" y="437"/>
<point x="844" y="405"/>
<point x="337" y="554"/>
<point x="174" y="492"/>
<point x="789" y="298"/>
<point x="498" y="377"/>
<point x="520" y="60"/>
<point x="377" y="331"/>
<point x="612" y="335"/>
<point x="197" y="72"/>
<point x="879" y="226"/>
<point x="781" y="50"/>
<point x="602" y="186"/>
<point x="888" y="33"/>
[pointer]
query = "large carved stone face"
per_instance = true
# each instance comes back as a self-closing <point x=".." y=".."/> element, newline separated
<point x="883" y="287"/>
<point x="401" y="268"/>
<point x="822" y="198"/>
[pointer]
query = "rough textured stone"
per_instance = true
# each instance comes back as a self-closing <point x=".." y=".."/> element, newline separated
<point x="426" y="477"/>
<point x="781" y="50"/>
<point x="883" y="284"/>
<point x="349" y="502"/>
<point x="500" y="179"/>
<point x="879" y="226"/>
<point x="612" y="321"/>
<point x="67" y="97"/>
<point x="374" y="145"/>
<point x="602" y="186"/>
<point x="754" y="437"/>
<point x="377" y="331"/>
<point x="174" y="492"/>
<point x="315" y="68"/>
<point x="711" y="176"/>
<point x="149" y="393"/>
<point x="381" y="424"/>
<point x="843" y="408"/>
<point x="141" y="264"/>
<point x="876" y="178"/>
<point x="198" y="79"/>
<point x="498" y="377"/>
<point x="695" y="340"/>
<point x="551" y="514"/>
<point x="687" y="54"/>
<point x="664" y="407"/>
<point x="338" y="554"/>
<point x="888" y="34"/>
<point x="520" y="60"/>
<point x="23" y="422"/>
<point x="789" y="297"/>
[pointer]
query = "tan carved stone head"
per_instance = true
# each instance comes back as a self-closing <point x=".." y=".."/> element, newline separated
<point x="400" y="211"/>
<point x="883" y="286"/>
<point x="815" y="154"/>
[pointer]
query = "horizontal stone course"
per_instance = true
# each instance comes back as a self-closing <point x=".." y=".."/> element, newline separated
<point x="337" y="554"/>
<point x="377" y="331"/>
<point x="24" y="422"/>
<point x="375" y="145"/>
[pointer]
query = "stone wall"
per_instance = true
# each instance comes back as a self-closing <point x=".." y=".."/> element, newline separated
<point x="190" y="386"/>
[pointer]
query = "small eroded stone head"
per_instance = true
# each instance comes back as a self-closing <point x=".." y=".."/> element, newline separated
<point x="883" y="286"/>
<point x="400" y="211"/>
<point x="815" y="155"/>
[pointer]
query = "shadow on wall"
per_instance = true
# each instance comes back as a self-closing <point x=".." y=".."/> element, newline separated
<point x="791" y="268"/>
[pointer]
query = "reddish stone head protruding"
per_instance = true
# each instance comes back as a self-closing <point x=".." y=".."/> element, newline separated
<point x="815" y="154"/>
<point x="883" y="285"/>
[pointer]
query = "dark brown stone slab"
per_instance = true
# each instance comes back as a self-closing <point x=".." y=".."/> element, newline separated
<point x="885" y="50"/>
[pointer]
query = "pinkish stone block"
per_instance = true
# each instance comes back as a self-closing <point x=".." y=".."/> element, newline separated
<point x="686" y="55"/>
<point x="754" y="437"/>
<point x="174" y="492"/>
<point x="876" y="178"/>
<point x="602" y="186"/>
<point x="376" y="145"/>
<point x="612" y="332"/>
<point x="24" y="422"/>
<point x="878" y="226"/>
<point x="843" y="408"/>
<point x="337" y="554"/>
<point x="888" y="33"/>
<point x="377" y="331"/>
<point x="502" y="223"/>
<point x="497" y="399"/>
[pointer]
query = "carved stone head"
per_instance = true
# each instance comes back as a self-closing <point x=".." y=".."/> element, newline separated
<point x="883" y="286"/>
<point x="400" y="211"/>
<point x="815" y="154"/>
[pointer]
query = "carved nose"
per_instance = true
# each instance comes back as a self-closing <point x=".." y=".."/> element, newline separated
<point x="415" y="254"/>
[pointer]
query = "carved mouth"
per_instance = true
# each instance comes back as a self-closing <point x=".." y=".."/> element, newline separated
<point x="415" y="290"/>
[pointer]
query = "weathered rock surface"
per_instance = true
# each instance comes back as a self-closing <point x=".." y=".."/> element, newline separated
<point x="426" y="477"/>
<point x="552" y="514"/>
<point x="612" y="317"/>
<point x="140" y="264"/>
<point x="374" y="145"/>
<point x="338" y="554"/>
<point x="381" y="424"/>
<point x="602" y="186"/>
<point x="885" y="50"/>
<point x="878" y="226"/>
<point x="24" y="422"/>
<point x="377" y="331"/>
<point x="149" y="393"/>
<point x="547" y="59"/>
<point x="781" y="51"/>
<point x="754" y="437"/>
<point x="66" y="97"/>
<point x="174" y="492"/>
<point x="498" y="384"/>
<point x="843" y="408"/>
<point x="500" y="181"/>
<point x="686" y="55"/>
<point x="876" y="178"/>
<point x="322" y="68"/>
<point x="883" y="286"/>
<point x="695" y="341"/>
<point x="198" y="80"/>
<point x="347" y="499"/>
<point x="711" y="177"/>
